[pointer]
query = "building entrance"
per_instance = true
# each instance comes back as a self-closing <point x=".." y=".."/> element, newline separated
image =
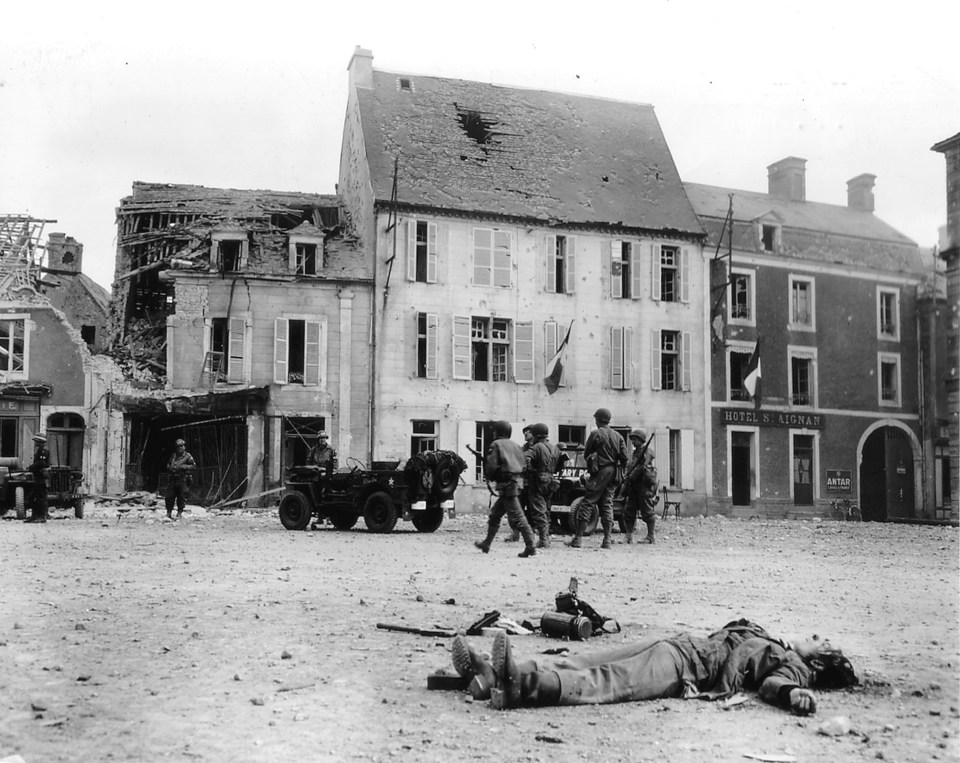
<point x="741" y="446"/>
<point x="886" y="476"/>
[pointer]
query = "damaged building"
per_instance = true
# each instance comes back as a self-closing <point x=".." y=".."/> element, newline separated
<point x="49" y="380"/>
<point x="241" y="318"/>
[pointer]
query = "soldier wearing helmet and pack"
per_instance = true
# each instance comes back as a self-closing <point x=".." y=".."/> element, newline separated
<point x="605" y="452"/>
<point x="180" y="466"/>
<point x="640" y="485"/>
<point x="541" y="466"/>
<point x="503" y="465"/>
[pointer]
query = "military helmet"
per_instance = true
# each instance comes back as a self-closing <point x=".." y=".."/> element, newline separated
<point x="603" y="414"/>
<point x="323" y="436"/>
<point x="180" y="442"/>
<point x="39" y="438"/>
<point x="540" y="430"/>
<point x="527" y="428"/>
<point x="502" y="428"/>
<point x="640" y="434"/>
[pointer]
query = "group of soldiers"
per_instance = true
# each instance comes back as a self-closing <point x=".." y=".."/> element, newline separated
<point x="528" y="475"/>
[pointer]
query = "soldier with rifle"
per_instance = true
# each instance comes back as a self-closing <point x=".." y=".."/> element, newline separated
<point x="640" y="486"/>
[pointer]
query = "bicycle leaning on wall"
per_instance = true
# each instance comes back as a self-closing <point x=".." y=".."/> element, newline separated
<point x="845" y="510"/>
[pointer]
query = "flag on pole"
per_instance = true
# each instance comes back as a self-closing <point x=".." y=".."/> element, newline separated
<point x="555" y="366"/>
<point x="751" y="382"/>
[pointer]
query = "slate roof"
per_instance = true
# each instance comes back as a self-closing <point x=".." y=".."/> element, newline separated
<point x="812" y="231"/>
<point x="568" y="159"/>
<point x="713" y="201"/>
<point x="97" y="293"/>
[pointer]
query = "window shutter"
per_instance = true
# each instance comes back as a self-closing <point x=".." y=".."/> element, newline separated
<point x="411" y="236"/>
<point x="687" y="369"/>
<point x="502" y="259"/>
<point x="616" y="357"/>
<point x="549" y="341"/>
<point x="432" y="323"/>
<point x="661" y="450"/>
<point x="615" y="269"/>
<point x="655" y="359"/>
<point x="431" y="252"/>
<point x="684" y="275"/>
<point x="655" y="271"/>
<point x="244" y="253"/>
<point x="551" y="264"/>
<point x="280" y="328"/>
<point x="570" y="274"/>
<point x="627" y="357"/>
<point x="461" y="347"/>
<point x="636" y="274"/>
<point x="523" y="352"/>
<point x="686" y="459"/>
<point x="311" y="353"/>
<point x="235" y="361"/>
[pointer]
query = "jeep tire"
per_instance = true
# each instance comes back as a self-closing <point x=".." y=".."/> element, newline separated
<point x="380" y="512"/>
<point x="428" y="521"/>
<point x="295" y="510"/>
<point x="573" y="520"/>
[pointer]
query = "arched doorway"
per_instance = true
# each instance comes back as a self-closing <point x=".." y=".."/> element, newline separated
<point x="887" y="475"/>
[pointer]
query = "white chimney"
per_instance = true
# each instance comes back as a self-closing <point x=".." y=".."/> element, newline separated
<point x="860" y="192"/>
<point x="787" y="179"/>
<point x="361" y="68"/>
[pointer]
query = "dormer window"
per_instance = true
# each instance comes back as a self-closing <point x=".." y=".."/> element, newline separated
<point x="769" y="237"/>
<point x="229" y="251"/>
<point x="405" y="84"/>
<point x="306" y="255"/>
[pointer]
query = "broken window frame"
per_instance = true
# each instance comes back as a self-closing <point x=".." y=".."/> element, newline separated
<point x="236" y="353"/>
<point x="742" y="302"/>
<point x="299" y="259"/>
<point x="216" y="259"/>
<point x="15" y="347"/>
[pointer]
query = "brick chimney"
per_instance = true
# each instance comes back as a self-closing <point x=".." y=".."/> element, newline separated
<point x="860" y="192"/>
<point x="361" y="68"/>
<point x="787" y="179"/>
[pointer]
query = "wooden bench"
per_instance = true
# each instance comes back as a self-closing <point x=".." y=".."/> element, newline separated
<point x="672" y="497"/>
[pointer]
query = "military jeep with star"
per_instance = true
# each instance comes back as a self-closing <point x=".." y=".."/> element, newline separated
<point x="422" y="491"/>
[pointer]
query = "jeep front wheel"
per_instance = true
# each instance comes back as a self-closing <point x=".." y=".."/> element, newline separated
<point x="428" y="521"/>
<point x="295" y="510"/>
<point x="379" y="512"/>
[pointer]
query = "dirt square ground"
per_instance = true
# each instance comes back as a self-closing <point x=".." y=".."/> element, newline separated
<point x="224" y="637"/>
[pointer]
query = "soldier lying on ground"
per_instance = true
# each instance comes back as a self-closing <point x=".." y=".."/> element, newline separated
<point x="741" y="655"/>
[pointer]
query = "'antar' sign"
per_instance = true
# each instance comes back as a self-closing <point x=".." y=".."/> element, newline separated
<point x="771" y="418"/>
<point x="838" y="480"/>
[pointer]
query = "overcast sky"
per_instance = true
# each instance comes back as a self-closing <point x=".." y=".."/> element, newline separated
<point x="95" y="95"/>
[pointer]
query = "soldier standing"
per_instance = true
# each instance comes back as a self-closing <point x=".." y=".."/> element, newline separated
<point x="503" y="465"/>
<point x="604" y="452"/>
<point x="514" y="535"/>
<point x="541" y="465"/>
<point x="180" y="466"/>
<point x="38" y="490"/>
<point x="640" y="486"/>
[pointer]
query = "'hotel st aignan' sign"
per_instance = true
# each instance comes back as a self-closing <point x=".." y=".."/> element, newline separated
<point x="762" y="418"/>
